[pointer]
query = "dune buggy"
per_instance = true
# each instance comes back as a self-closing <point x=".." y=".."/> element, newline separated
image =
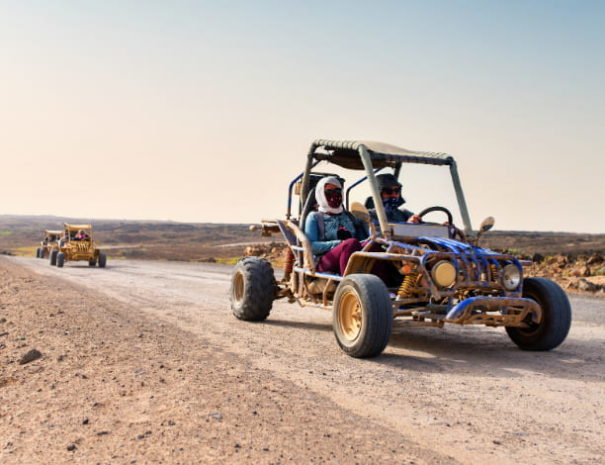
<point x="443" y="276"/>
<point x="77" y="244"/>
<point x="49" y="243"/>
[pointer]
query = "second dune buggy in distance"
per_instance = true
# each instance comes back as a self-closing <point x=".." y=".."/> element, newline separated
<point x="78" y="244"/>
<point x="444" y="277"/>
<point x="49" y="243"/>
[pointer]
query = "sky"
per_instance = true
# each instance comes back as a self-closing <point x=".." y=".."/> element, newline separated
<point x="203" y="111"/>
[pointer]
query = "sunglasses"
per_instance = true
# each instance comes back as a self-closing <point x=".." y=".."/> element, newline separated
<point x="333" y="191"/>
<point x="392" y="190"/>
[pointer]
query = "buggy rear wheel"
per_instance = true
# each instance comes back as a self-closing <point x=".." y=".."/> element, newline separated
<point x="60" y="259"/>
<point x="252" y="289"/>
<point x="53" y="257"/>
<point x="556" y="316"/>
<point x="102" y="260"/>
<point x="363" y="315"/>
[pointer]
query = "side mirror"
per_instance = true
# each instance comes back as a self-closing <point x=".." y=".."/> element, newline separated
<point x="487" y="224"/>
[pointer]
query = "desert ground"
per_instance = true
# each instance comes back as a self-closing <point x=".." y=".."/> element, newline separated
<point x="142" y="362"/>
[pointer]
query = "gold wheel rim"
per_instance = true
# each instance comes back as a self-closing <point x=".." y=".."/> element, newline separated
<point x="350" y="316"/>
<point x="238" y="287"/>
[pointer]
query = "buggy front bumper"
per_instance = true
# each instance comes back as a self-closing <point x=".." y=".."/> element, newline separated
<point x="495" y="311"/>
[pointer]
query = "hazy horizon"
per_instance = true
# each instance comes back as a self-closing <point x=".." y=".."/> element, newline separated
<point x="204" y="112"/>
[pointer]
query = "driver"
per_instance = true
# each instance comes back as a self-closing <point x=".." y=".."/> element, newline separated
<point x="390" y="193"/>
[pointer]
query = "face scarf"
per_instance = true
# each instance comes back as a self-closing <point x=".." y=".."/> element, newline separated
<point x="333" y="204"/>
<point x="392" y="203"/>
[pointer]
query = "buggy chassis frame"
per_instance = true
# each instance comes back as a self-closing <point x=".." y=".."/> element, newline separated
<point x="478" y="295"/>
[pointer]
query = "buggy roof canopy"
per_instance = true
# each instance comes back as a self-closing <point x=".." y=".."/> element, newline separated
<point x="73" y="227"/>
<point x="346" y="154"/>
<point x="51" y="232"/>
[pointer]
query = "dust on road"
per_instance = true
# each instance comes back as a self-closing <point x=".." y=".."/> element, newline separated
<point x="468" y="393"/>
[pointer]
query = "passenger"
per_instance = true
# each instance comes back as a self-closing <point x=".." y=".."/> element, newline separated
<point x="81" y="236"/>
<point x="334" y="233"/>
<point x="390" y="193"/>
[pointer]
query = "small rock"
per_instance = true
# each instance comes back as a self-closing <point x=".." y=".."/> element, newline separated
<point x="216" y="416"/>
<point x="2" y="320"/>
<point x="581" y="271"/>
<point x="595" y="259"/>
<point x="498" y="443"/>
<point x="30" y="357"/>
<point x="537" y="258"/>
<point x="71" y="447"/>
<point x="85" y="421"/>
<point x="3" y="334"/>
<point x="102" y="433"/>
<point x="585" y="285"/>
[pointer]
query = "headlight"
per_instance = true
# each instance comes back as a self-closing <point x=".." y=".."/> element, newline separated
<point x="511" y="277"/>
<point x="444" y="273"/>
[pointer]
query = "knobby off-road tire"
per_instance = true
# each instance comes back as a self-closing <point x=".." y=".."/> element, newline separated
<point x="102" y="260"/>
<point x="362" y="316"/>
<point x="53" y="257"/>
<point x="252" y="289"/>
<point x="60" y="259"/>
<point x="38" y="253"/>
<point x="92" y="262"/>
<point x="556" y="316"/>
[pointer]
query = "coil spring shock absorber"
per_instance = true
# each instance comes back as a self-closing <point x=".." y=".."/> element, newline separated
<point x="494" y="272"/>
<point x="289" y="263"/>
<point x="408" y="284"/>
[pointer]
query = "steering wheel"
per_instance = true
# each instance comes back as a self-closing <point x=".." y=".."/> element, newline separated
<point x="453" y="231"/>
<point x="450" y="217"/>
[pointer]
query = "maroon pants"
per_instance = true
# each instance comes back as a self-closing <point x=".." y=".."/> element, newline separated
<point x="335" y="260"/>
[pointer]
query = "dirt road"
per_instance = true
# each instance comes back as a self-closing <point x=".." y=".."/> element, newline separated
<point x="465" y="395"/>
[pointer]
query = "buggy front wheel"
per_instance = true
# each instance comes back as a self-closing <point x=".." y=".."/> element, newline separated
<point x="53" y="257"/>
<point x="102" y="260"/>
<point x="60" y="259"/>
<point x="252" y="289"/>
<point x="556" y="316"/>
<point x="363" y="315"/>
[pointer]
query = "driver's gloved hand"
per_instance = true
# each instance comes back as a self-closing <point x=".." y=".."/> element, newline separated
<point x="343" y="233"/>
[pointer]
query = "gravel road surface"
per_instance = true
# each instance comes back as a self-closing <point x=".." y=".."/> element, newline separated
<point x="465" y="393"/>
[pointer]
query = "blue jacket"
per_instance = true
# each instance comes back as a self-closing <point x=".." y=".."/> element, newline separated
<point x="332" y="223"/>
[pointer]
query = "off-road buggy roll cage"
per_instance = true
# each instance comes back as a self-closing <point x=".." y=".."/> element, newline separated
<point x="373" y="157"/>
<point x="440" y="279"/>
